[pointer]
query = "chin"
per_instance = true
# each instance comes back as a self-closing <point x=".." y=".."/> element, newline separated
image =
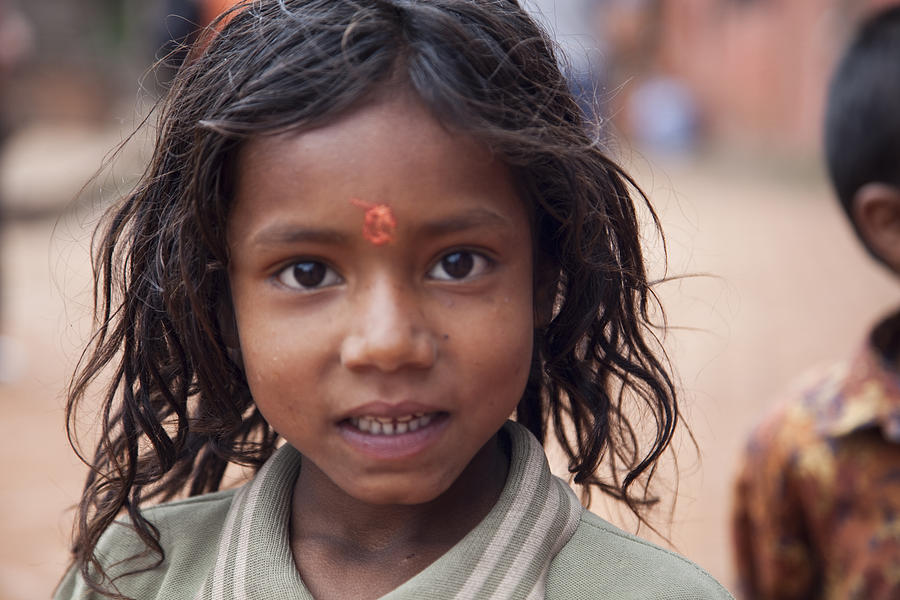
<point x="396" y="494"/>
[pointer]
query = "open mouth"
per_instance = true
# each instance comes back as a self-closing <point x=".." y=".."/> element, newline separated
<point x="394" y="436"/>
<point x="388" y="426"/>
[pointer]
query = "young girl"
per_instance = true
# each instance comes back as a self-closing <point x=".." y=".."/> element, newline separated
<point x="375" y="229"/>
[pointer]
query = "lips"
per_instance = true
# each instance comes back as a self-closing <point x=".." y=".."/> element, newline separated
<point x="390" y="410"/>
<point x="393" y="431"/>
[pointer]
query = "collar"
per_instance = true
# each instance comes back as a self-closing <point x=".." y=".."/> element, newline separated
<point x="507" y="555"/>
<point x="863" y="393"/>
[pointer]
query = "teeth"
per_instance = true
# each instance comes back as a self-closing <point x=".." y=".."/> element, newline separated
<point x="397" y="426"/>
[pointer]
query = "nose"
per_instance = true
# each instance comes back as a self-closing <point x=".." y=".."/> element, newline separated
<point x="389" y="331"/>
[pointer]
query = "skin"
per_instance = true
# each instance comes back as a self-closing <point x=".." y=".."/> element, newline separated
<point x="441" y="319"/>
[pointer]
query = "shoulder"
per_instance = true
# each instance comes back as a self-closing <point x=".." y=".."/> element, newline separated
<point x="790" y="445"/>
<point x="602" y="561"/>
<point x="802" y="412"/>
<point x="192" y="523"/>
<point x="188" y="531"/>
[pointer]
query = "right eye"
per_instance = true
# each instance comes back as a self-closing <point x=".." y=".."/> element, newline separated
<point x="309" y="275"/>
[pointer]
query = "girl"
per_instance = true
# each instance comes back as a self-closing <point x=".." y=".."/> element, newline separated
<point x="374" y="229"/>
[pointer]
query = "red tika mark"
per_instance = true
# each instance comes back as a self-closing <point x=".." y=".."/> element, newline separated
<point x="379" y="224"/>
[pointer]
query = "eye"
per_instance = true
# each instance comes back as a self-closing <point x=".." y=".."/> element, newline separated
<point x="459" y="265"/>
<point x="309" y="275"/>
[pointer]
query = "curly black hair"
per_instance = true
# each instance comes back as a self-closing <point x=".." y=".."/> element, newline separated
<point x="177" y="410"/>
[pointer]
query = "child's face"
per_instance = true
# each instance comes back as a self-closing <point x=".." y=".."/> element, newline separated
<point x="425" y="327"/>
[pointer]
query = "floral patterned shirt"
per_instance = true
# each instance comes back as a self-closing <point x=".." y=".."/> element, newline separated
<point x="817" y="499"/>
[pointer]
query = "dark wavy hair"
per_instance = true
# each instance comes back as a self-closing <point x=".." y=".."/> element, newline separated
<point x="177" y="410"/>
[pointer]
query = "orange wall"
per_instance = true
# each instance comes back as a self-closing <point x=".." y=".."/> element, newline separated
<point x="759" y="68"/>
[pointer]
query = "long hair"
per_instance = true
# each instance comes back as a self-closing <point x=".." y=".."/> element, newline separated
<point x="178" y="410"/>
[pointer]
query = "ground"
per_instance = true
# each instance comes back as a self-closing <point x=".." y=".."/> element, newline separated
<point x="775" y="283"/>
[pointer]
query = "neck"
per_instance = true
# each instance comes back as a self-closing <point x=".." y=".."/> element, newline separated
<point x="323" y="512"/>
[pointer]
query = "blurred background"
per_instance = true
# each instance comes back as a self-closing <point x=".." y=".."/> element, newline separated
<point x="714" y="105"/>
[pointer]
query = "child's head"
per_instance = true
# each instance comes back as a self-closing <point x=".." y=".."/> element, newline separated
<point x="350" y="336"/>
<point x="862" y="134"/>
<point x="294" y="97"/>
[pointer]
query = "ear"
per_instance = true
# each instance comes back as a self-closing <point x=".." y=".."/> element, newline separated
<point x="229" y="329"/>
<point x="546" y="285"/>
<point x="876" y="212"/>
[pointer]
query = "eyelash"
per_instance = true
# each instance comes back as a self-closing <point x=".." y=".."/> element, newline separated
<point x="481" y="263"/>
<point x="287" y="273"/>
<point x="330" y="277"/>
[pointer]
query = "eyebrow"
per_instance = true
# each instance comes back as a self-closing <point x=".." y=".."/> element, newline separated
<point x="281" y="233"/>
<point x="471" y="219"/>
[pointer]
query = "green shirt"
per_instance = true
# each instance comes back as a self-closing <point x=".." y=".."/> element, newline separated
<point x="537" y="542"/>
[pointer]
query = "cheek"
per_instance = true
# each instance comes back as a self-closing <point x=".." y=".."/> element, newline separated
<point x="274" y="355"/>
<point x="499" y="346"/>
<point x="515" y="326"/>
<point x="282" y="377"/>
<point x="509" y="330"/>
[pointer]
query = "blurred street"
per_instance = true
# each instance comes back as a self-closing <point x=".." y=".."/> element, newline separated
<point x="777" y="284"/>
<point x="45" y="302"/>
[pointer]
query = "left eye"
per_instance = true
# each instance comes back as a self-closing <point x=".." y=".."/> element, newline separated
<point x="459" y="265"/>
<point x="309" y="275"/>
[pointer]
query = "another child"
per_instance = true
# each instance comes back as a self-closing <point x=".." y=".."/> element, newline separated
<point x="817" y="511"/>
<point x="375" y="229"/>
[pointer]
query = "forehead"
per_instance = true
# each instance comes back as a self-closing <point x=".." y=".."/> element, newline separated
<point x="353" y="144"/>
<point x="392" y="151"/>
